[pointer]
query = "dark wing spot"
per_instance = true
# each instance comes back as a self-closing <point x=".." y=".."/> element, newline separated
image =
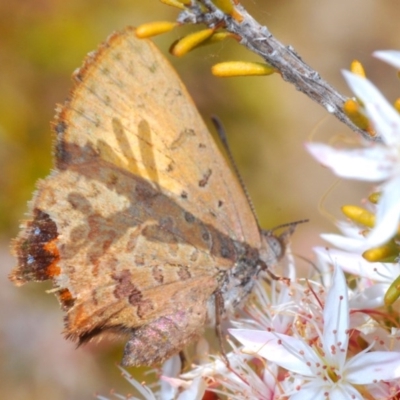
<point x="125" y="288"/>
<point x="167" y="222"/>
<point x="224" y="246"/>
<point x="60" y="127"/>
<point x="225" y="251"/>
<point x="203" y="182"/>
<point x="184" y="135"/>
<point x="107" y="100"/>
<point x="205" y="235"/>
<point x="79" y="202"/>
<point x="105" y="71"/>
<point x="36" y="250"/>
<point x="145" y="193"/>
<point x="139" y="259"/>
<point x="184" y="273"/>
<point x="117" y="56"/>
<point x="189" y="218"/>
<point x="157" y="273"/>
<point x="144" y="308"/>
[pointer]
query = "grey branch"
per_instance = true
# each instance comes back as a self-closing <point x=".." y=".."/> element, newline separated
<point x="259" y="40"/>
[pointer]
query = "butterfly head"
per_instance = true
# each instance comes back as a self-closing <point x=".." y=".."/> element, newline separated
<point x="274" y="246"/>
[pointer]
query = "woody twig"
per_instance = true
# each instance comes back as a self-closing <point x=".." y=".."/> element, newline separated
<point x="283" y="59"/>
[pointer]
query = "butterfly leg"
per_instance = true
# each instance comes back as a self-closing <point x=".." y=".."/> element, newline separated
<point x="219" y="307"/>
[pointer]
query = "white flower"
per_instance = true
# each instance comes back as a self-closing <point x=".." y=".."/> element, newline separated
<point x="376" y="277"/>
<point x="323" y="369"/>
<point x="244" y="379"/>
<point x="190" y="390"/>
<point x="351" y="240"/>
<point x="145" y="392"/>
<point x="377" y="161"/>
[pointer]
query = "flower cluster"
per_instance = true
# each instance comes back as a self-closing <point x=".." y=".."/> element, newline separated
<point x="377" y="161"/>
<point x="324" y="337"/>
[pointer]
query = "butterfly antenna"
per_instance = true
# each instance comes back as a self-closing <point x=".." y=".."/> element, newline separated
<point x="290" y="224"/>
<point x="224" y="140"/>
<point x="285" y="236"/>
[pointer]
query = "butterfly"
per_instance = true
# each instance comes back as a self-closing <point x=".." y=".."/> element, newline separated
<point x="142" y="226"/>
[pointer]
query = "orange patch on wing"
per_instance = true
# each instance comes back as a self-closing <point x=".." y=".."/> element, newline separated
<point x="53" y="268"/>
<point x="66" y="298"/>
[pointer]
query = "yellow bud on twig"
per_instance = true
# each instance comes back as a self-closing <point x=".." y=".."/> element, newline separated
<point x="241" y="68"/>
<point x="177" y="3"/>
<point x="189" y="42"/>
<point x="154" y="28"/>
<point x="224" y="5"/>
<point x="227" y="7"/>
<point x="220" y="36"/>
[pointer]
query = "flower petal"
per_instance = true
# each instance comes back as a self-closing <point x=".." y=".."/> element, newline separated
<point x="170" y="368"/>
<point x="385" y="118"/>
<point x="143" y="390"/>
<point x="288" y="352"/>
<point x="392" y="57"/>
<point x="387" y="215"/>
<point x="370" y="164"/>
<point x="348" y="229"/>
<point x="316" y="389"/>
<point x="356" y="265"/>
<point x="345" y="391"/>
<point x="336" y="320"/>
<point x="346" y="243"/>
<point x="370" y="298"/>
<point x="195" y="391"/>
<point x="373" y="366"/>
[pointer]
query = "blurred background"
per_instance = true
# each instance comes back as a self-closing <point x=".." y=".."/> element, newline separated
<point x="267" y="122"/>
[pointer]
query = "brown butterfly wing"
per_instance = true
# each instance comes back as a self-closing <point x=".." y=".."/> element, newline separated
<point x="142" y="209"/>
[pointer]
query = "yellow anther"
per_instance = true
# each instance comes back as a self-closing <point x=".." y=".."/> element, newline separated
<point x="359" y="215"/>
<point x="374" y="197"/>
<point x="352" y="107"/>
<point x="177" y="3"/>
<point x="189" y="42"/>
<point x="154" y="28"/>
<point x="353" y="110"/>
<point x="397" y="105"/>
<point x="357" y="68"/>
<point x="241" y="68"/>
<point x="385" y="253"/>
<point x="393" y="293"/>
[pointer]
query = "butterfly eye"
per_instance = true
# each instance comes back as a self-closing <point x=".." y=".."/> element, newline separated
<point x="275" y="244"/>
